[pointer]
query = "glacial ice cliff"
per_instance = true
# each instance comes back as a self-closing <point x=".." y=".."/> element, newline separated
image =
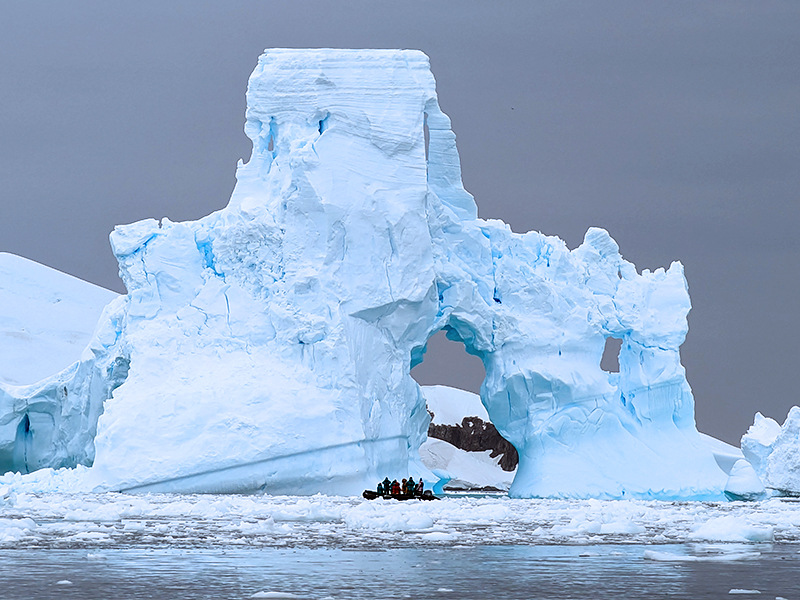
<point x="269" y="344"/>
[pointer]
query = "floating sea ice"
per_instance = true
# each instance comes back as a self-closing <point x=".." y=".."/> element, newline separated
<point x="12" y="530"/>
<point x="739" y="591"/>
<point x="731" y="529"/>
<point x="622" y="527"/>
<point x="438" y="536"/>
<point x="385" y="517"/>
<point x="723" y="557"/>
<point x="64" y="582"/>
<point x="274" y="595"/>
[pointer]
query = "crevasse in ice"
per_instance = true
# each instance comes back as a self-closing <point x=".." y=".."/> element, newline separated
<point x="268" y="346"/>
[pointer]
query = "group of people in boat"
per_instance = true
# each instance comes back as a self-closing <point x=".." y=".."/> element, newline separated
<point x="408" y="487"/>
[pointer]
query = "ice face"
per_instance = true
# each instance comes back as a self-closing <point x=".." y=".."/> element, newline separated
<point x="783" y="463"/>
<point x="270" y="343"/>
<point x="758" y="442"/>
<point x="773" y="452"/>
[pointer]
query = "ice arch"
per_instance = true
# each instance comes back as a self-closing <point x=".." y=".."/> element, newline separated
<point x="270" y="344"/>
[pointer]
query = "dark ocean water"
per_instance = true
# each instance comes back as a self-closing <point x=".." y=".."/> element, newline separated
<point x="480" y="572"/>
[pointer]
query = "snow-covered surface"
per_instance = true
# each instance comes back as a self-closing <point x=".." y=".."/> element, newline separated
<point x="152" y="520"/>
<point x="46" y="319"/>
<point x="450" y="405"/>
<point x="464" y="470"/>
<point x="268" y="346"/>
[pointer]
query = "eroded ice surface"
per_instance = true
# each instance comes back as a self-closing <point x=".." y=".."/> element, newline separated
<point x="270" y="343"/>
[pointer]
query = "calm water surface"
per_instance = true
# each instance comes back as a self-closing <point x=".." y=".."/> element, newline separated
<point x="496" y="572"/>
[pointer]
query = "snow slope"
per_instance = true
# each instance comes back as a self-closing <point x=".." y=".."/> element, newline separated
<point x="46" y="319"/>
<point x="450" y="405"/>
<point x="269" y="344"/>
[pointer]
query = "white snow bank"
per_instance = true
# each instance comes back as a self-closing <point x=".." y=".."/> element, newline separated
<point x="450" y="405"/>
<point x="464" y="470"/>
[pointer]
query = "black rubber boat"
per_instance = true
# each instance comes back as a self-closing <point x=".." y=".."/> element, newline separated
<point x="373" y="495"/>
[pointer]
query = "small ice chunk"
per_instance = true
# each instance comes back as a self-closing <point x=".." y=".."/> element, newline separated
<point x="444" y="590"/>
<point x="437" y="536"/>
<point x="739" y="591"/>
<point x="274" y="595"/>
<point x="64" y="582"/>
<point x="725" y="557"/>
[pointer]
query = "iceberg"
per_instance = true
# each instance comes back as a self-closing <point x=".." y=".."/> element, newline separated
<point x="774" y="452"/>
<point x="267" y="347"/>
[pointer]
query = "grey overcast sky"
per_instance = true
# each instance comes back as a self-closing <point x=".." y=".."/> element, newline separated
<point x="674" y="125"/>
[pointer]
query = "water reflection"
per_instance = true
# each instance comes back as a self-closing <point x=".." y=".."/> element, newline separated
<point x="498" y="572"/>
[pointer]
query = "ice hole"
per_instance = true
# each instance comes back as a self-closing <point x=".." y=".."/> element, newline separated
<point x="427" y="134"/>
<point x="271" y="144"/>
<point x="610" y="360"/>
<point x="447" y="363"/>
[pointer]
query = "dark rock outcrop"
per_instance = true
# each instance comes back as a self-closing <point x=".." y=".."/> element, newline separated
<point x="476" y="435"/>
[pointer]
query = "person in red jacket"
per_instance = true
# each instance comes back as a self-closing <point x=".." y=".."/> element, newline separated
<point x="395" y="488"/>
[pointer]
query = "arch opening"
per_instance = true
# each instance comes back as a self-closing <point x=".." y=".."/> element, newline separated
<point x="451" y="379"/>
<point x="610" y="360"/>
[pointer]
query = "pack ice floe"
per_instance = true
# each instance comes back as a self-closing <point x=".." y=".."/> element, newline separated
<point x="267" y="346"/>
